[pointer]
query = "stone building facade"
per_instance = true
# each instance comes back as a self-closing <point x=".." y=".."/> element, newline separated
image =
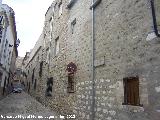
<point x="18" y="70"/>
<point x="98" y="60"/>
<point x="8" y="47"/>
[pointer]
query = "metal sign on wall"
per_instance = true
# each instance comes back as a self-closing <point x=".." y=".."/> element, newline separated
<point x="71" y="68"/>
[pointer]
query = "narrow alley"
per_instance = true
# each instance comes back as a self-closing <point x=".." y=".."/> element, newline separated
<point x="21" y="105"/>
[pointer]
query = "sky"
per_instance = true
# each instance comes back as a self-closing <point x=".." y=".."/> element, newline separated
<point x="30" y="16"/>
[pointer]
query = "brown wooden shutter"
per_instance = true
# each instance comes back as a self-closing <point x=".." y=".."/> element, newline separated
<point x="131" y="91"/>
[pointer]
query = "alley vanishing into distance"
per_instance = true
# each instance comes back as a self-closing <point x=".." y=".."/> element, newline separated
<point x="22" y="106"/>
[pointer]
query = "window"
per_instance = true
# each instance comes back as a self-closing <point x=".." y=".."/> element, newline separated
<point x="57" y="46"/>
<point x="1" y="76"/>
<point x="0" y="34"/>
<point x="51" y="27"/>
<point x="131" y="91"/>
<point x="70" y="87"/>
<point x="6" y="44"/>
<point x="4" y="87"/>
<point x="73" y="25"/>
<point x="70" y="3"/>
<point x="37" y="59"/>
<point x="60" y="9"/>
<point x="157" y="11"/>
<point x="29" y="87"/>
<point x="51" y="24"/>
<point x="49" y="87"/>
<point x="41" y="67"/>
<point x="47" y="57"/>
<point x="35" y="84"/>
<point x="1" y="20"/>
<point x="9" y="57"/>
<point x="54" y="8"/>
<point x="33" y="75"/>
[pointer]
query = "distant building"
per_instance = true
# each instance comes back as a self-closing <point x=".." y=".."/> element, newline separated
<point x="18" y="70"/>
<point x="98" y="60"/>
<point x="8" y="46"/>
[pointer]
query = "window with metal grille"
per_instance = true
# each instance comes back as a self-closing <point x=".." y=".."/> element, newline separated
<point x="131" y="91"/>
<point x="70" y="87"/>
<point x="49" y="87"/>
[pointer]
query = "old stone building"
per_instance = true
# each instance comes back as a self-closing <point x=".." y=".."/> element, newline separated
<point x="18" y="70"/>
<point x="98" y="60"/>
<point x="8" y="47"/>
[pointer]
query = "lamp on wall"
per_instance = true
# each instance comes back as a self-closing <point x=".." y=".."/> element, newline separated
<point x="17" y="42"/>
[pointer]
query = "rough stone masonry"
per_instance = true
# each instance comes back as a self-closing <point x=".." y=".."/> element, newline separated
<point x="126" y="65"/>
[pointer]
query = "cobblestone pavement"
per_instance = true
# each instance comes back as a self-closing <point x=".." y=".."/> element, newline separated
<point x="22" y="105"/>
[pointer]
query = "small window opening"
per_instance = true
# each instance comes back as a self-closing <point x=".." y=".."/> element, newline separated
<point x="35" y="84"/>
<point x="1" y="76"/>
<point x="131" y="91"/>
<point x="60" y="9"/>
<point x="73" y="23"/>
<point x="0" y="34"/>
<point x="29" y="87"/>
<point x="47" y="57"/>
<point x="157" y="12"/>
<point x="41" y="68"/>
<point x="70" y="87"/>
<point x="49" y="87"/>
<point x="33" y="75"/>
<point x="57" y="45"/>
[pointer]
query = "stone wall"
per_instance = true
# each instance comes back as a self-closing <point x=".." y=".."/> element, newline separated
<point x="126" y="53"/>
<point x="121" y="50"/>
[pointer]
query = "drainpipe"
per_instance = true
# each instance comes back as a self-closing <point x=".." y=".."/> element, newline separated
<point x="94" y="4"/>
<point x="93" y="69"/>
<point x="154" y="18"/>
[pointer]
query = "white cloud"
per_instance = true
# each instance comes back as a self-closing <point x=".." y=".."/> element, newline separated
<point x="30" y="15"/>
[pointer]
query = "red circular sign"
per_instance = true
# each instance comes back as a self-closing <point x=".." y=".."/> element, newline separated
<point x="71" y="67"/>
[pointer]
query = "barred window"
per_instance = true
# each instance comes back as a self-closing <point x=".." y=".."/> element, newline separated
<point x="49" y="87"/>
<point x="70" y="87"/>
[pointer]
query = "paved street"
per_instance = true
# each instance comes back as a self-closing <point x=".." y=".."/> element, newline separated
<point x="19" y="105"/>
